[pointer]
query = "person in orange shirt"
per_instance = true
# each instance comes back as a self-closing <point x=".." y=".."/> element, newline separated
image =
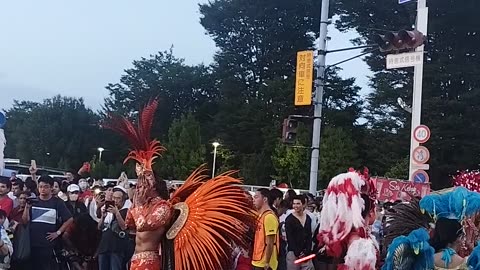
<point x="266" y="244"/>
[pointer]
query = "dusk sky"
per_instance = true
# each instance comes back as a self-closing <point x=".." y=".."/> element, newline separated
<point x="75" y="48"/>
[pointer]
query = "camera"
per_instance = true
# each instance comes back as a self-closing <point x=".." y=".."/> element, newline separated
<point x="32" y="200"/>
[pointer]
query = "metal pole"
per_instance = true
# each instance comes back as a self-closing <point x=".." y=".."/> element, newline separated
<point x="214" y="160"/>
<point x="318" y="98"/>
<point x="422" y="24"/>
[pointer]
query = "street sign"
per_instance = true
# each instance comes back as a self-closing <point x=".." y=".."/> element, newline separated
<point x="304" y="78"/>
<point x="421" y="176"/>
<point x="402" y="60"/>
<point x="421" y="155"/>
<point x="424" y="167"/>
<point x="421" y="134"/>
<point x="403" y="1"/>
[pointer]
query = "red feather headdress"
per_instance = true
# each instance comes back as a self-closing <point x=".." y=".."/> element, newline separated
<point x="144" y="149"/>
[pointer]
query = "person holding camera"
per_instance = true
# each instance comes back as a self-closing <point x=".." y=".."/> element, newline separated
<point x="48" y="218"/>
<point x="114" y="246"/>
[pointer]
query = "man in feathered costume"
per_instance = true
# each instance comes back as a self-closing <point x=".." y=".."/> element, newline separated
<point x="198" y="227"/>
<point x="347" y="213"/>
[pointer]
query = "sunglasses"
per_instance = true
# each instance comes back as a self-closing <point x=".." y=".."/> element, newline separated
<point x="74" y="192"/>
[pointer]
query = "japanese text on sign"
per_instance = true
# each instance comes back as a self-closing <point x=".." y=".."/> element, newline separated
<point x="304" y="78"/>
<point x="404" y="60"/>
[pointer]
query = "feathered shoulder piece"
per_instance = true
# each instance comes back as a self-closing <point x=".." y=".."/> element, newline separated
<point x="412" y="251"/>
<point x="404" y="218"/>
<point x="214" y="214"/>
<point x="457" y="204"/>
<point x="342" y="210"/>
<point x="474" y="259"/>
<point x="144" y="150"/>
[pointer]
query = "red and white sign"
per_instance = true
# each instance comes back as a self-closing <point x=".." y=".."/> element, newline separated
<point x="393" y="190"/>
<point x="421" y="155"/>
<point x="421" y="134"/>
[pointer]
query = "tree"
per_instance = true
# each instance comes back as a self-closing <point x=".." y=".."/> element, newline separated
<point x="342" y="104"/>
<point x="179" y="87"/>
<point x="399" y="170"/>
<point x="292" y="162"/>
<point x="224" y="160"/>
<point x="185" y="150"/>
<point x="451" y="85"/>
<point x="59" y="132"/>
<point x="337" y="154"/>
<point x="99" y="170"/>
<point x="258" y="41"/>
<point x="255" y="71"/>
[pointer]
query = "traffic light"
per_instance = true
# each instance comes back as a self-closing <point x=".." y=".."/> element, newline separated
<point x="395" y="41"/>
<point x="289" y="131"/>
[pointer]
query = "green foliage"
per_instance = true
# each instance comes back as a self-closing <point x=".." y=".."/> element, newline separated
<point x="338" y="152"/>
<point x="292" y="162"/>
<point x="114" y="170"/>
<point x="451" y="86"/>
<point x="399" y="170"/>
<point x="185" y="150"/>
<point x="99" y="170"/>
<point x="59" y="132"/>
<point x="224" y="160"/>
<point x="179" y="87"/>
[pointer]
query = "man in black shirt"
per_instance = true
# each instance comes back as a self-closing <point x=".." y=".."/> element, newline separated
<point x="298" y="227"/>
<point x="48" y="218"/>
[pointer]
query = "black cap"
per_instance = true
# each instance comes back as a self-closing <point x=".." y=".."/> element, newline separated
<point x="110" y="184"/>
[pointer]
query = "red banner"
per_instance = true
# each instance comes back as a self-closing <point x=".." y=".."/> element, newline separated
<point x="393" y="190"/>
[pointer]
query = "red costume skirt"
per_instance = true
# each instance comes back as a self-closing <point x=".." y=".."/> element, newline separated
<point x="147" y="260"/>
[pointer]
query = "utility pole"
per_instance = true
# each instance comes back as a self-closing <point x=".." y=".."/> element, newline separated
<point x="318" y="98"/>
<point x="421" y="25"/>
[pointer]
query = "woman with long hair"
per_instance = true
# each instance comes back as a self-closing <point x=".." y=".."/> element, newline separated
<point x="447" y="241"/>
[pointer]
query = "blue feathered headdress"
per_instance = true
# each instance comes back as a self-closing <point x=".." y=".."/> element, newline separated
<point x="410" y="252"/>
<point x="457" y="204"/>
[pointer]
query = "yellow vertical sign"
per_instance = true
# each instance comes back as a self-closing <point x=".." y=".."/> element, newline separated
<point x="304" y="78"/>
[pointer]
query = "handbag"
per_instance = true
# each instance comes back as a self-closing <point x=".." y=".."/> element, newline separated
<point x="21" y="243"/>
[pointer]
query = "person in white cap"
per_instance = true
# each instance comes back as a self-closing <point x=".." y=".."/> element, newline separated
<point x="73" y="204"/>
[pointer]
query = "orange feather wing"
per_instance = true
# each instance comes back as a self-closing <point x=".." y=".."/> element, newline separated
<point x="220" y="216"/>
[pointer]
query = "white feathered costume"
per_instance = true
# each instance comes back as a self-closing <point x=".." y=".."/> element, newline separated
<point x="343" y="231"/>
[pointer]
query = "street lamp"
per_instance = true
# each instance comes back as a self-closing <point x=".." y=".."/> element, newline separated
<point x="404" y="105"/>
<point x="100" y="151"/>
<point x="215" y="145"/>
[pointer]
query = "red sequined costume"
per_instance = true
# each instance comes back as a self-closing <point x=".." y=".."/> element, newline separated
<point x="471" y="181"/>
<point x="344" y="231"/>
<point x="151" y="216"/>
<point x="201" y="221"/>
